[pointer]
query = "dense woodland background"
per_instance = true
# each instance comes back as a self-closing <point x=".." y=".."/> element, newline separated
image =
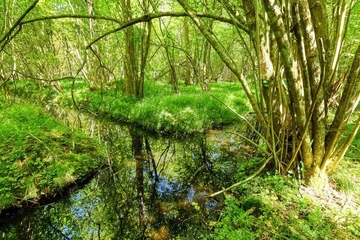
<point x="286" y="72"/>
<point x="297" y="61"/>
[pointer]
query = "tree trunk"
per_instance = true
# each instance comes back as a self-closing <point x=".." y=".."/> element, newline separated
<point x="187" y="50"/>
<point x="295" y="80"/>
<point x="137" y="45"/>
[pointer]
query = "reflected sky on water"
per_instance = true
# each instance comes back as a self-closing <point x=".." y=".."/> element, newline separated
<point x="151" y="187"/>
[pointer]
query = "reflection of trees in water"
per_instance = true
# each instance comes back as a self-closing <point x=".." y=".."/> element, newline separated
<point x="137" y="150"/>
<point x="153" y="187"/>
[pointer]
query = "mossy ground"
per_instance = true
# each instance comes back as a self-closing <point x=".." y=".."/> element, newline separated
<point x="40" y="155"/>
<point x="275" y="207"/>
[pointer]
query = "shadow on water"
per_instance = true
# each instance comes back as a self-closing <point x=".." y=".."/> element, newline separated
<point x="151" y="188"/>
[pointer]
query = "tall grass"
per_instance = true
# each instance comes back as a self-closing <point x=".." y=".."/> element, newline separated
<point x="39" y="155"/>
<point x="163" y="111"/>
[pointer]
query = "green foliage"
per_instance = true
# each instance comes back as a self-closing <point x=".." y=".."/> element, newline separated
<point x="354" y="150"/>
<point x="346" y="175"/>
<point x="39" y="155"/>
<point x="236" y="222"/>
<point x="270" y="207"/>
<point x="162" y="111"/>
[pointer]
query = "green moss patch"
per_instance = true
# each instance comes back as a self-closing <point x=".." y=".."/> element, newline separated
<point x="274" y="207"/>
<point x="40" y="155"/>
<point x="163" y="111"/>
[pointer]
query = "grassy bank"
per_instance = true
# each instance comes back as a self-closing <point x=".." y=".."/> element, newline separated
<point x="161" y="110"/>
<point x="267" y="207"/>
<point x="271" y="206"/>
<point x="39" y="155"/>
<point x="274" y="207"/>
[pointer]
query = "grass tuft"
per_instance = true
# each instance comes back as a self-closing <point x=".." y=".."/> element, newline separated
<point x="38" y="154"/>
<point x="162" y="111"/>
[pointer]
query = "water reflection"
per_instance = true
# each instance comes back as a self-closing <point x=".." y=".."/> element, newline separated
<point x="152" y="188"/>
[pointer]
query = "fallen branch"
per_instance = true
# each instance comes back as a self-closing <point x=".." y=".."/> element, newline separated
<point x="245" y="180"/>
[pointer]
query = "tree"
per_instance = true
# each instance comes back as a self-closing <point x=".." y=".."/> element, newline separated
<point x="9" y="29"/>
<point x="137" y="44"/>
<point x="287" y="57"/>
<point x="297" y="56"/>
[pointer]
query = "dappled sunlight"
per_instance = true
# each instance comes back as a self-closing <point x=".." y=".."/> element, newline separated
<point x="179" y="119"/>
<point x="341" y="206"/>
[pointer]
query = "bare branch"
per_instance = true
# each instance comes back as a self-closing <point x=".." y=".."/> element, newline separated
<point x="43" y="79"/>
<point x="245" y="180"/>
<point x="150" y="16"/>
<point x="8" y="36"/>
<point x="71" y="16"/>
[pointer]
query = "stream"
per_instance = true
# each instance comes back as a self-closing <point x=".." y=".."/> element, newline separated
<point x="151" y="187"/>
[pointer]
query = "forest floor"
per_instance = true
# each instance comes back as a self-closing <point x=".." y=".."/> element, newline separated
<point x="278" y="207"/>
<point x="40" y="156"/>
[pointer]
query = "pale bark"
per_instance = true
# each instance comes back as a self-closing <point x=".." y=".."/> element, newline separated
<point x="313" y="55"/>
<point x="227" y="60"/>
<point x="186" y="36"/>
<point x="294" y="81"/>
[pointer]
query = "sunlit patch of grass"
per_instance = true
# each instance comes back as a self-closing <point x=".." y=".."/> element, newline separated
<point x="163" y="111"/>
<point x="271" y="207"/>
<point x="40" y="154"/>
<point x="345" y="183"/>
<point x="158" y="97"/>
<point x="347" y="177"/>
<point x="31" y="191"/>
<point x="64" y="180"/>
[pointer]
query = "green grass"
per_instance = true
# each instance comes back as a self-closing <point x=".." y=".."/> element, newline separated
<point x="271" y="207"/>
<point x="39" y="155"/>
<point x="267" y="207"/>
<point x="163" y="111"/>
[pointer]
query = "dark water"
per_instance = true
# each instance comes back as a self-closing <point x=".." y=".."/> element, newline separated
<point x="151" y="187"/>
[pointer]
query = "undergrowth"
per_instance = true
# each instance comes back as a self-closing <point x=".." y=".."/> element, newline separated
<point x="272" y="207"/>
<point x="267" y="207"/>
<point x="163" y="111"/>
<point x="39" y="155"/>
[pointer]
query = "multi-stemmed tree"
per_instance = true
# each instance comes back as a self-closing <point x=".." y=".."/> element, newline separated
<point x="290" y="63"/>
<point x="296" y="48"/>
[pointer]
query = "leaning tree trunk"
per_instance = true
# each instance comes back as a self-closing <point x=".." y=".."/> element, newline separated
<point x="298" y="64"/>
